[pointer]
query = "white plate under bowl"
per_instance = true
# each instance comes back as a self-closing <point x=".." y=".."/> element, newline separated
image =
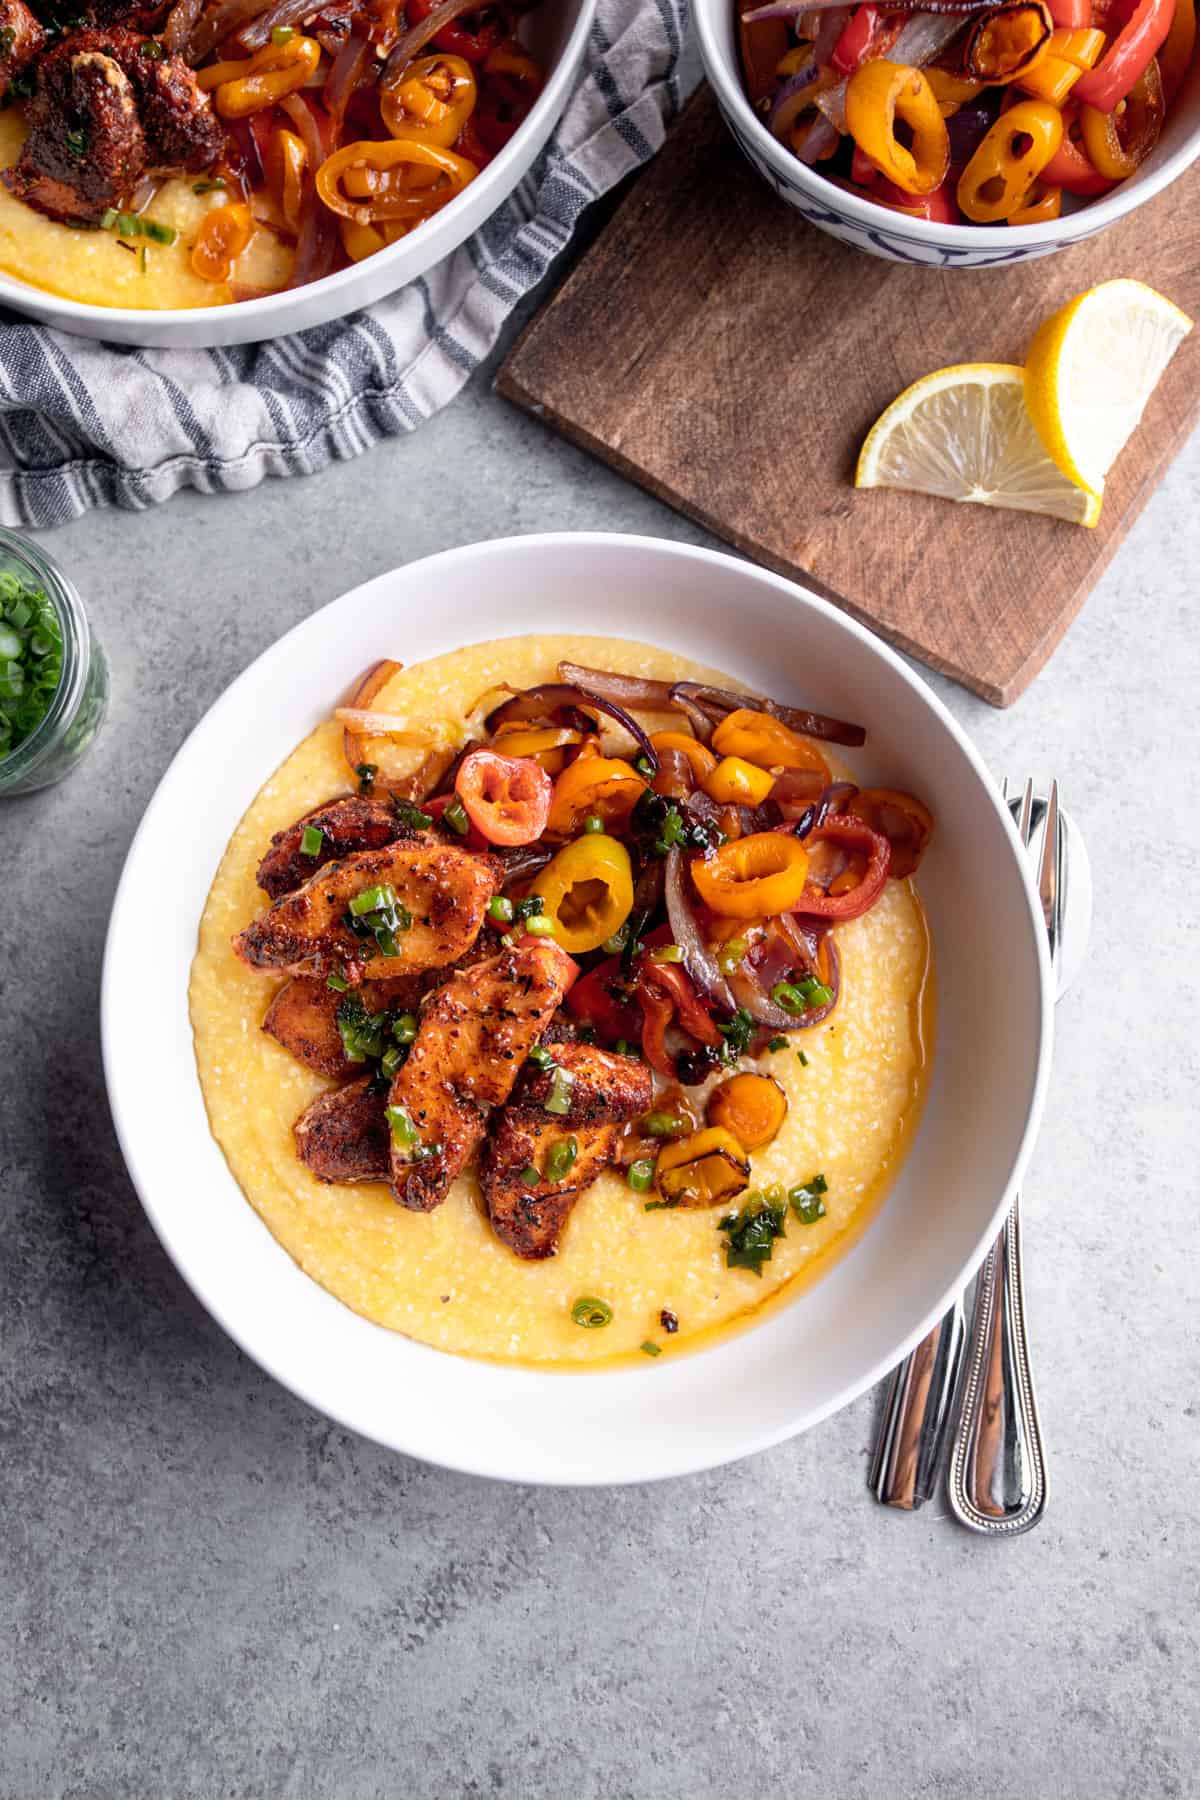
<point x="558" y="34"/>
<point x="679" y="1413"/>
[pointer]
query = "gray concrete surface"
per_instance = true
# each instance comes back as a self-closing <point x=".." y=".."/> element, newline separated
<point x="211" y="1591"/>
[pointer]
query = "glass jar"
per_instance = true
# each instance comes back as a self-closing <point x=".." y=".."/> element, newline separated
<point x="80" y="700"/>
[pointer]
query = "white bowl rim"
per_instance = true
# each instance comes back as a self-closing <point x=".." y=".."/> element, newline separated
<point x="1094" y="217"/>
<point x="660" y="1464"/>
<point x="550" y="102"/>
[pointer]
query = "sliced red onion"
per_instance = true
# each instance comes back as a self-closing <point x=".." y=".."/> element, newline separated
<point x="820" y="140"/>
<point x="413" y="42"/>
<point x="539" y="702"/>
<point x="675" y="779"/>
<point x="520" y="864"/>
<point x="697" y="718"/>
<point x="345" y="75"/>
<point x="626" y="690"/>
<point x="283" y="12"/>
<point x="698" y="959"/>
<point x="229" y="16"/>
<point x="966" y="129"/>
<point x="791" y="100"/>
<point x="797" y="791"/>
<point x="759" y="1004"/>
<point x="181" y="22"/>
<point x="784" y="9"/>
<point x="716" y="702"/>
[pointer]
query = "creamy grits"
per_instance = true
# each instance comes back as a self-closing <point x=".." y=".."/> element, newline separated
<point x="443" y="1277"/>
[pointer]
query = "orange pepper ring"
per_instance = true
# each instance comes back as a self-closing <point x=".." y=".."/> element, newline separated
<point x="1120" y="141"/>
<point x="753" y="877"/>
<point x="412" y="107"/>
<point x="880" y="92"/>
<point x="389" y="155"/>
<point x="997" y="180"/>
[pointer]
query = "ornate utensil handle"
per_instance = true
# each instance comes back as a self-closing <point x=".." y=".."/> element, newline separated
<point x="908" y="1453"/>
<point x="997" y="1482"/>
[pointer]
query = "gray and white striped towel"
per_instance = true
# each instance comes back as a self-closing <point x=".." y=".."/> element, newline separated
<point x="86" y="424"/>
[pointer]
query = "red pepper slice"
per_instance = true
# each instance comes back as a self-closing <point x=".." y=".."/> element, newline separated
<point x="1071" y="15"/>
<point x="856" y="837"/>
<point x="1070" y="167"/>
<point x="1126" y="59"/>
<point x="658" y="1010"/>
<point x="902" y="819"/>
<point x="694" y="1016"/>
<point x="506" y="797"/>
<point x="867" y="33"/>
<point x="455" y="39"/>
<point x="604" y="997"/>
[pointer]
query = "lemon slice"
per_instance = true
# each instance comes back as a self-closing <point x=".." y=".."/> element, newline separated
<point x="965" y="433"/>
<point x="1091" y="369"/>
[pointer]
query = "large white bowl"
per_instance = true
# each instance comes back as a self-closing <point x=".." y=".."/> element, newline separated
<point x="682" y="1412"/>
<point x="894" y="236"/>
<point x="558" y="32"/>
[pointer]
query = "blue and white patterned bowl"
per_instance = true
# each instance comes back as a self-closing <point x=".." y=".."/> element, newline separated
<point x="894" y="236"/>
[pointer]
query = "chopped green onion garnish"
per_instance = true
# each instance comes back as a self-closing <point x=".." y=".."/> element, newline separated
<point x="624" y="1048"/>
<point x="649" y="1349"/>
<point x="613" y="946"/>
<point x="803" y="1059"/>
<point x="530" y="1176"/>
<point x="806" y="1201"/>
<point x="669" y="953"/>
<point x="777" y="1043"/>
<point x="31" y="659"/>
<point x="640" y="1175"/>
<point x="591" y="1313"/>
<point x="372" y="899"/>
<point x="558" y="1100"/>
<point x="404" y="1133"/>
<point x="366" y="773"/>
<point x="785" y="994"/>
<point x="361" y="1031"/>
<point x="158" y="234"/>
<point x="404" y="1029"/>
<point x="500" y="910"/>
<point x="540" y="926"/>
<point x="208" y="186"/>
<point x="310" y="843"/>
<point x="666" y="1125"/>
<point x="282" y="34"/>
<point x="644" y="766"/>
<point x="391" y="1059"/>
<point x="455" y="818"/>
<point x="731" y="955"/>
<point x="749" y="1235"/>
<point x="108" y="218"/>
<point x="127" y="225"/>
<point x="592" y="823"/>
<point x="411" y="815"/>
<point x="337" y="982"/>
<point x="529" y="907"/>
<point x="561" y="1159"/>
<point x="541" y="1058"/>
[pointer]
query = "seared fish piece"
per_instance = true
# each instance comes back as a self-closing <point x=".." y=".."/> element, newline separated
<point x="474" y="1035"/>
<point x="303" y="1018"/>
<point x="441" y="893"/>
<point x="343" y="1135"/>
<point x="347" y="825"/>
<point x="606" y="1090"/>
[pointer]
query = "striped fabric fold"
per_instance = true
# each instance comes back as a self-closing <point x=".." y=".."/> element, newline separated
<point x="85" y="424"/>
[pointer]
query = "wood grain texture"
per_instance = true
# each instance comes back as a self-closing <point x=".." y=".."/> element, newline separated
<point x="721" y="352"/>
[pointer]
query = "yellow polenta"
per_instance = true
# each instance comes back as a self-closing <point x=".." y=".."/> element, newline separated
<point x="101" y="269"/>
<point x="442" y="1276"/>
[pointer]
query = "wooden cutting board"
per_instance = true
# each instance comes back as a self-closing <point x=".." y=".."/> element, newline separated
<point x="718" y="350"/>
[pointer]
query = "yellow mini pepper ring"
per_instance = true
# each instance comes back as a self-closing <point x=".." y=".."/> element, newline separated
<point x="879" y="94"/>
<point x="431" y="100"/>
<point x="587" y="891"/>
<point x="1117" y="142"/>
<point x="999" y="177"/>
<point x="274" y="72"/>
<point x="387" y="202"/>
<point x="754" y="877"/>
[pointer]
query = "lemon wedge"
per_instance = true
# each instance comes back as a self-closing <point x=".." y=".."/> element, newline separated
<point x="1091" y="369"/>
<point x="965" y="433"/>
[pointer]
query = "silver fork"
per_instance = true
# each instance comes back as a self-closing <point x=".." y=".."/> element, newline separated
<point x="997" y="1477"/>
<point x="997" y="1480"/>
